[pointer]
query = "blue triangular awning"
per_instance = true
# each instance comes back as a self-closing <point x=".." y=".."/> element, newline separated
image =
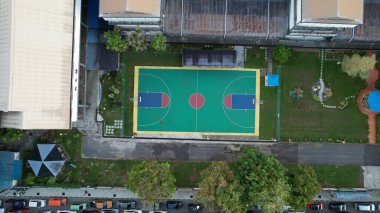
<point x="272" y="80"/>
<point x="54" y="166"/>
<point x="374" y="100"/>
<point x="45" y="149"/>
<point x="35" y="165"/>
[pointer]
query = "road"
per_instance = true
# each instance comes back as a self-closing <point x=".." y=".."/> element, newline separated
<point x="206" y="150"/>
<point x="350" y="206"/>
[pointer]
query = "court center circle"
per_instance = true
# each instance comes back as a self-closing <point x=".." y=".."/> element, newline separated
<point x="196" y="100"/>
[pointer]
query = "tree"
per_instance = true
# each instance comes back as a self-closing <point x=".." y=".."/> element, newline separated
<point x="115" y="41"/>
<point x="357" y="65"/>
<point x="282" y="54"/>
<point x="29" y="179"/>
<point x="11" y="134"/>
<point x="304" y="186"/>
<point x="263" y="179"/>
<point x="152" y="180"/>
<point x="137" y="41"/>
<point x="219" y="190"/>
<point x="159" y="42"/>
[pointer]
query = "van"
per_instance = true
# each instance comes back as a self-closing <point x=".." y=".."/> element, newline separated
<point x="37" y="203"/>
<point x="78" y="206"/>
<point x="57" y="201"/>
<point x="369" y="207"/>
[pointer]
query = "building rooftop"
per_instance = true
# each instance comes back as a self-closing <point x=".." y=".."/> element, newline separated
<point x="326" y="11"/>
<point x="36" y="63"/>
<point x="10" y="169"/>
<point x="130" y="8"/>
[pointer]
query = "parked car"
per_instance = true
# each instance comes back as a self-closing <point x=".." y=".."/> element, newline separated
<point x="158" y="211"/>
<point x="369" y="207"/>
<point x="23" y="210"/>
<point x="14" y="204"/>
<point x="44" y="211"/>
<point x="65" y="211"/>
<point x="127" y="204"/>
<point x="57" y="201"/>
<point x="100" y="204"/>
<point x="37" y="203"/>
<point x="171" y="204"/>
<point x="192" y="207"/>
<point x="315" y="206"/>
<point x="338" y="206"/>
<point x="109" y="211"/>
<point x="132" y="211"/>
<point x="90" y="211"/>
<point x="78" y="206"/>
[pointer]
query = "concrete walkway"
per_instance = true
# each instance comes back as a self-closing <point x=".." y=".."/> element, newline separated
<point x="99" y="192"/>
<point x="201" y="151"/>
<point x="123" y="193"/>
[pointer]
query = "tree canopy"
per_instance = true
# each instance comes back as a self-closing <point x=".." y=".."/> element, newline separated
<point x="137" y="41"/>
<point x="304" y="186"/>
<point x="152" y="180"/>
<point x="11" y="134"/>
<point x="263" y="179"/>
<point x="159" y="42"/>
<point x="357" y="65"/>
<point x="219" y="190"/>
<point x="282" y="54"/>
<point x="115" y="41"/>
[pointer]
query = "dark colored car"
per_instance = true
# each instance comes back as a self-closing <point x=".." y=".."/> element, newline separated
<point x="338" y="206"/>
<point x="24" y="210"/>
<point x="315" y="206"/>
<point x="127" y="204"/>
<point x="174" y="204"/>
<point x="15" y="204"/>
<point x="192" y="207"/>
<point x="90" y="211"/>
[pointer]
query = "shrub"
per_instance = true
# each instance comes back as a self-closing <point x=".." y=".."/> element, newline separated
<point x="282" y="54"/>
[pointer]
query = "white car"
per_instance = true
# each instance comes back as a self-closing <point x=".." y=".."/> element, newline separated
<point x="37" y="203"/>
<point x="132" y="211"/>
<point x="158" y="211"/>
<point x="65" y="211"/>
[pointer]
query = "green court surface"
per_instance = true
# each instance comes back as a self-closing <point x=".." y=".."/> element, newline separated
<point x="208" y="101"/>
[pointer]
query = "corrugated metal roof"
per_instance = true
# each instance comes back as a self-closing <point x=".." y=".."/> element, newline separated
<point x="10" y="169"/>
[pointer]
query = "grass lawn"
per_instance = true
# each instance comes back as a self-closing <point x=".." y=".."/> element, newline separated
<point x="256" y="59"/>
<point x="337" y="176"/>
<point x="306" y="119"/>
<point x="97" y="172"/>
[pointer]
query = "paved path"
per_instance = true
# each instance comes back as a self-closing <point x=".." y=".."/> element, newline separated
<point x="200" y="151"/>
<point x="97" y="192"/>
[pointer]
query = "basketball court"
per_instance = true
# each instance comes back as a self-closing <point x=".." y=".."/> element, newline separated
<point x="206" y="101"/>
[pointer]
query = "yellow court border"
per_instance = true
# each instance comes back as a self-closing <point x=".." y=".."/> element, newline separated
<point x="135" y="104"/>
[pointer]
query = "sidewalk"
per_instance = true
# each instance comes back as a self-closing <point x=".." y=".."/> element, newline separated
<point x="326" y="194"/>
<point x="99" y="192"/>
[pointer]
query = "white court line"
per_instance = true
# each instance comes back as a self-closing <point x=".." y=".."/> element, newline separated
<point x="170" y="95"/>
<point x="196" y="103"/>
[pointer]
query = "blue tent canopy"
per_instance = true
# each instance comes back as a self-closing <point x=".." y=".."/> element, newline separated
<point x="374" y="100"/>
<point x="272" y="80"/>
<point x="46" y="160"/>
